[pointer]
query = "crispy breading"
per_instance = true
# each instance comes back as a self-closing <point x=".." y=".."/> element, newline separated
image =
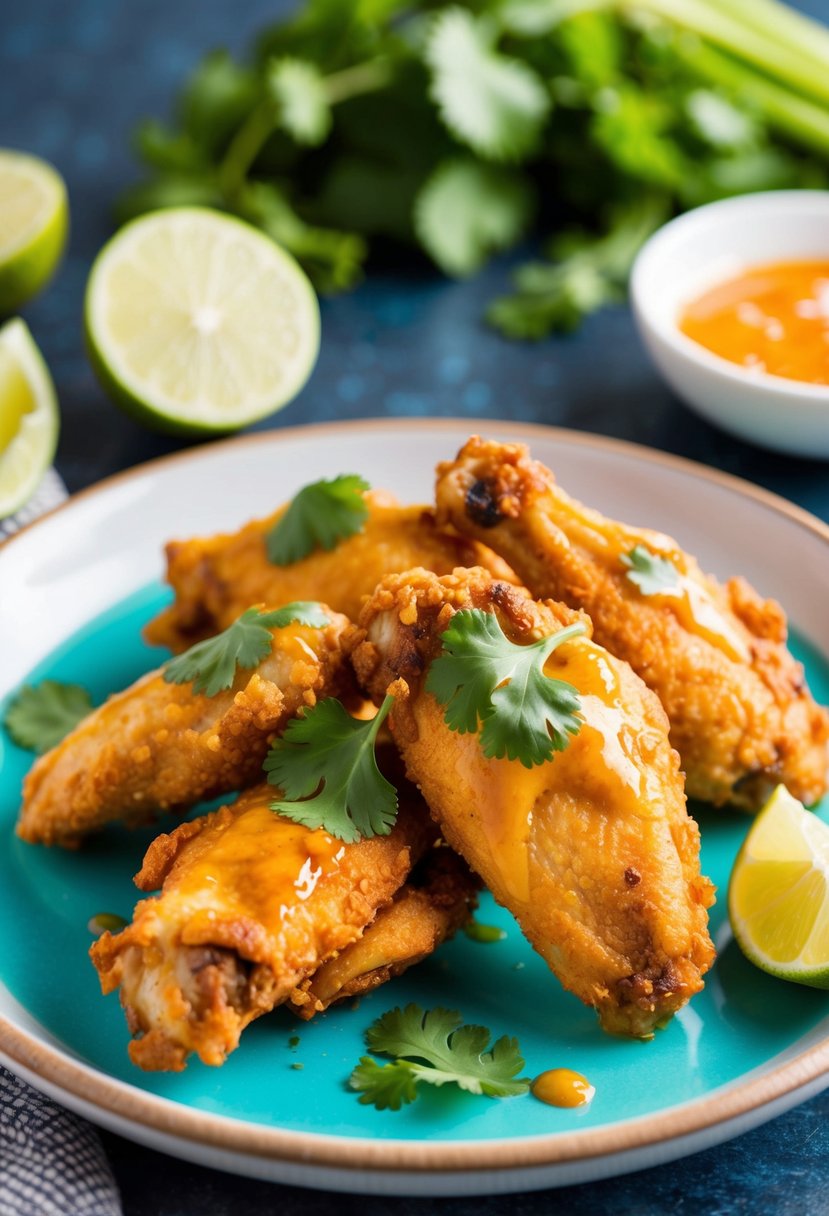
<point x="250" y="905"/>
<point x="159" y="747"/>
<point x="741" y="715"/>
<point x="438" y="899"/>
<point x="593" y="851"/>
<point x="217" y="577"/>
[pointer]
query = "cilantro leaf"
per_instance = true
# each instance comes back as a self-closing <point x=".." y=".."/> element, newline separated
<point x="588" y="272"/>
<point x="384" y="1086"/>
<point x="321" y="515"/>
<point x="325" y="766"/>
<point x="483" y="679"/>
<point x="653" y="575"/>
<point x="298" y="88"/>
<point x="43" y="714"/>
<point x="434" y="1047"/>
<point x="466" y="210"/>
<point x="493" y="103"/>
<point x="211" y="665"/>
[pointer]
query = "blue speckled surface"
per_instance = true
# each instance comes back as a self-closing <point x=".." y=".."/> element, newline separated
<point x="73" y="79"/>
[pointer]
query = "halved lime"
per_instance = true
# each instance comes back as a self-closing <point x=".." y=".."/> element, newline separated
<point x="29" y="420"/>
<point x="778" y="897"/>
<point x="34" y="220"/>
<point x="197" y="323"/>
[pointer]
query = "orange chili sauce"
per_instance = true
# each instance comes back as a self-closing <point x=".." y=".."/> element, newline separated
<point x="562" y="1087"/>
<point x="772" y="318"/>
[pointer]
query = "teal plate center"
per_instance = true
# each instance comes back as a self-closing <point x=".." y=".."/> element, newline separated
<point x="741" y="1021"/>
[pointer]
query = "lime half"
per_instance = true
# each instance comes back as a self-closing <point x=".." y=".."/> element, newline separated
<point x="778" y="897"/>
<point x="198" y="323"/>
<point x="34" y="219"/>
<point x="29" y="421"/>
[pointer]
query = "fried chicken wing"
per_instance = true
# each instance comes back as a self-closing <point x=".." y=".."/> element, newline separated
<point x="593" y="851"/>
<point x="437" y="900"/>
<point x="250" y="905"/>
<point x="158" y="746"/>
<point x="741" y="715"/>
<point x="216" y="578"/>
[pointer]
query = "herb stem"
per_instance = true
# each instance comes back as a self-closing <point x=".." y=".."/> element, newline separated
<point x="794" y="116"/>
<point x="361" y="78"/>
<point x="780" y="43"/>
<point x="244" y="148"/>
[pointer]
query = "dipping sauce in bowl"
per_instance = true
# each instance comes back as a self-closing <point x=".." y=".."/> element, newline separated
<point x="770" y="318"/>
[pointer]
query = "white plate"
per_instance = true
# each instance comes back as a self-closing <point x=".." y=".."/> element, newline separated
<point x="108" y="542"/>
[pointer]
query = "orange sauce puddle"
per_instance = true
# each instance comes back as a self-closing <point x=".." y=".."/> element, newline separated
<point x="772" y="318"/>
<point x="562" y="1087"/>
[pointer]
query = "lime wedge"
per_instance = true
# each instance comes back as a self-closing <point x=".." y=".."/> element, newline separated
<point x="29" y="420"/>
<point x="198" y="323"/>
<point x="34" y="219"/>
<point x="778" y="897"/>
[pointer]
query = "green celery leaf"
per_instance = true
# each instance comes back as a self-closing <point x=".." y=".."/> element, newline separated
<point x="319" y="517"/>
<point x="325" y="766"/>
<point x="592" y="42"/>
<point x="495" y="104"/>
<point x="466" y="210"/>
<point x="211" y="665"/>
<point x="632" y="129"/>
<point x="653" y="575"/>
<point x="484" y="680"/>
<point x="40" y="715"/>
<point x="298" y="90"/>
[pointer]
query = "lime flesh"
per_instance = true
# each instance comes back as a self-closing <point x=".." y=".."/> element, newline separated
<point x="778" y="897"/>
<point x="29" y="420"/>
<point x="197" y="323"/>
<point x="34" y="220"/>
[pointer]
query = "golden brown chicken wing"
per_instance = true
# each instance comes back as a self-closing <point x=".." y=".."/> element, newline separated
<point x="250" y="905"/>
<point x="437" y="900"/>
<point x="741" y="715"/>
<point x="216" y="578"/>
<point x="593" y="851"/>
<point x="158" y="746"/>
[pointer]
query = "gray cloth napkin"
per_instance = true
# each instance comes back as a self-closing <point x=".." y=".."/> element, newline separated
<point x="51" y="1163"/>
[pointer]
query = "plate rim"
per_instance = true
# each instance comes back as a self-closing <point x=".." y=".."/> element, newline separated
<point x="167" y="1116"/>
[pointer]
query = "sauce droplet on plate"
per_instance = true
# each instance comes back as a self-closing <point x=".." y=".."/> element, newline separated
<point x="562" y="1087"/>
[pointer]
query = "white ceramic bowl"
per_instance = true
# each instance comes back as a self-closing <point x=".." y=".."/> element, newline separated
<point x="705" y="247"/>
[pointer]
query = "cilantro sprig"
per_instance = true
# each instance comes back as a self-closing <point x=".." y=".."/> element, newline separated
<point x="211" y="665"/>
<point x="356" y="127"/>
<point x="325" y="766"/>
<point x="487" y="682"/>
<point x="319" y="517"/>
<point x="43" y="714"/>
<point x="653" y="575"/>
<point x="433" y="1046"/>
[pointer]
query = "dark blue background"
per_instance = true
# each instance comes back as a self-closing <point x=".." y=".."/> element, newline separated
<point x="75" y="75"/>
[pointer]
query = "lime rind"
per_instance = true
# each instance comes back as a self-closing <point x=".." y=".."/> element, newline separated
<point x="28" y="454"/>
<point x="793" y="845"/>
<point x="30" y="251"/>
<point x="185" y="328"/>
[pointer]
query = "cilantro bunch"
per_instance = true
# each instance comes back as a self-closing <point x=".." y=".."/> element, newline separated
<point x="461" y="128"/>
